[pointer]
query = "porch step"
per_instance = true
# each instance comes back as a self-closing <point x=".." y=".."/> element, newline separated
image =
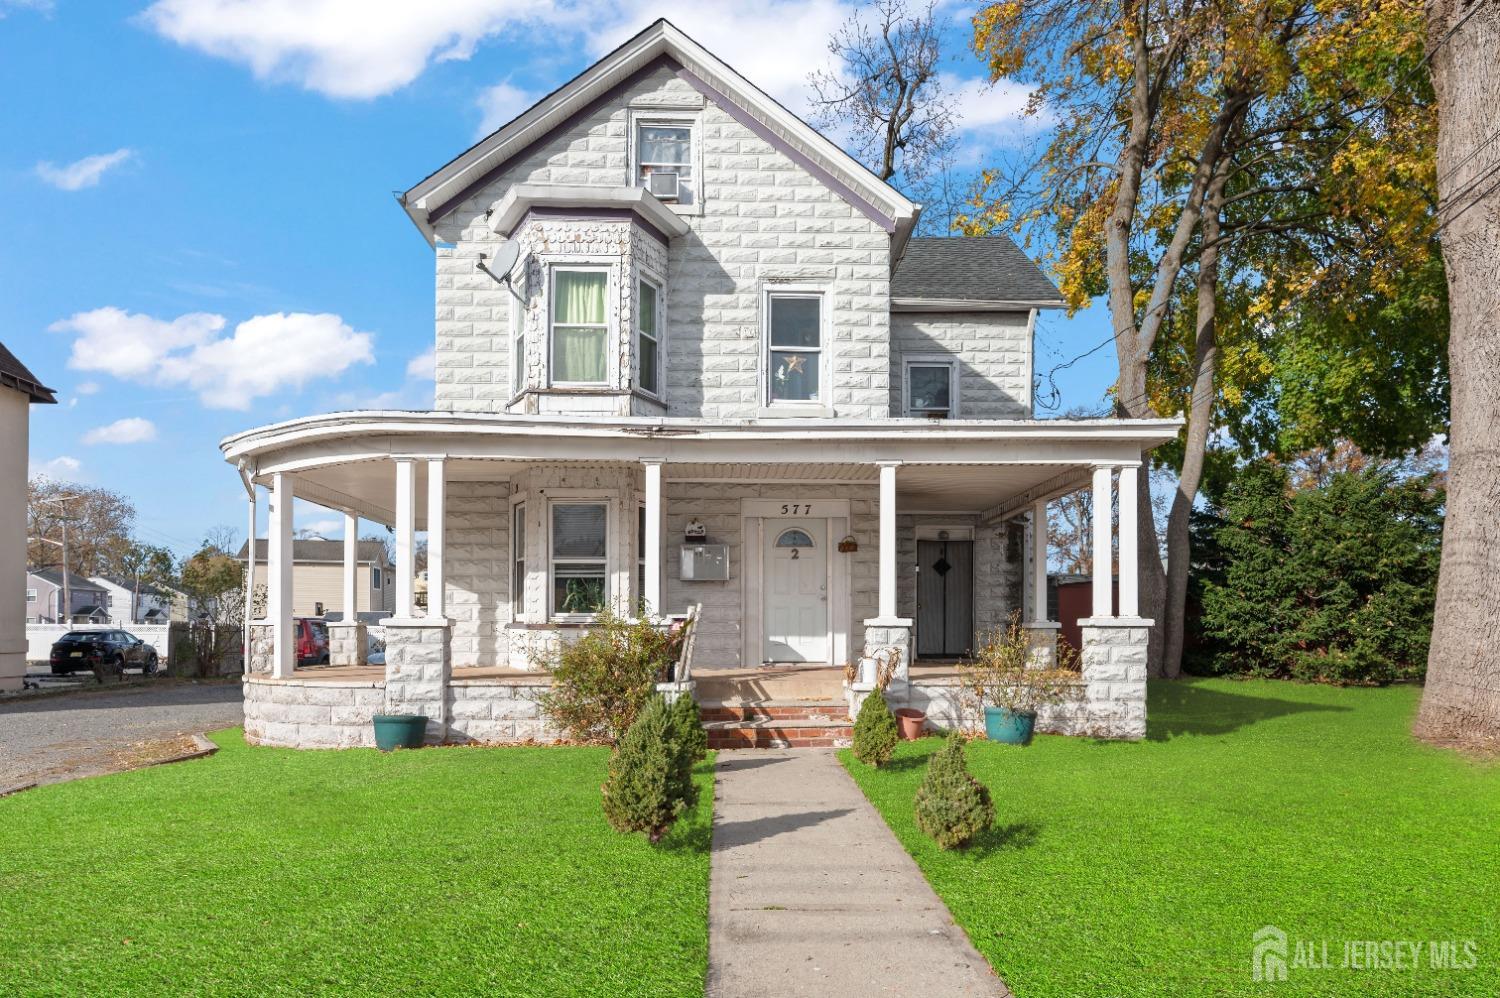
<point x="779" y="733"/>
<point x="770" y="684"/>
<point x="785" y="711"/>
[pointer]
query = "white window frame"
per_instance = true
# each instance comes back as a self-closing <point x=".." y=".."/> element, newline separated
<point x="640" y="561"/>
<point x="518" y="560"/>
<point x="579" y="499"/>
<point x="518" y="347"/>
<point x="823" y="405"/>
<point x="645" y="276"/>
<point x="929" y="360"/>
<point x="672" y="118"/>
<point x="30" y="595"/>
<point x="377" y="578"/>
<point x="611" y="333"/>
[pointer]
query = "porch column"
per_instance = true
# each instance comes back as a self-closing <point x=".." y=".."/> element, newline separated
<point x="1130" y="599"/>
<point x="888" y="539"/>
<point x="250" y="575"/>
<point x="436" y="514"/>
<point x="279" y="577"/>
<point x="406" y="533"/>
<point x="1103" y="544"/>
<point x="1039" y="561"/>
<point x="652" y="596"/>
<point x="351" y="567"/>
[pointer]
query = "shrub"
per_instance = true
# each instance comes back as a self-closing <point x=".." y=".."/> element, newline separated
<point x="688" y="725"/>
<point x="952" y="806"/>
<point x="650" y="779"/>
<point x="875" y="732"/>
<point x="1332" y="583"/>
<point x="1001" y="673"/>
<point x="602" y="680"/>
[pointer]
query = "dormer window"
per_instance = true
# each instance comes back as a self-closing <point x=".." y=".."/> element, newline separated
<point x="579" y="326"/>
<point x="665" y="158"/>
<point x="932" y="388"/>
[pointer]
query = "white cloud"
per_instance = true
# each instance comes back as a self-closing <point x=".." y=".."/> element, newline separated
<point x="1000" y="107"/>
<point x="423" y="365"/>
<point x="82" y="173"/>
<point x="340" y="48"/>
<point x="499" y="104"/>
<point x="40" y="6"/>
<point x="131" y="430"/>
<point x="59" y="469"/>
<point x="264" y="355"/>
<point x="87" y="388"/>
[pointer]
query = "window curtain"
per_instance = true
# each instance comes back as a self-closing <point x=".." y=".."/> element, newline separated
<point x="578" y="328"/>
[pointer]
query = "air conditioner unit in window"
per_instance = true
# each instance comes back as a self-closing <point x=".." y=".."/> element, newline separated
<point x="664" y="184"/>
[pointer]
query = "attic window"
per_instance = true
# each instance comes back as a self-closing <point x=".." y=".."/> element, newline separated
<point x="665" y="158"/>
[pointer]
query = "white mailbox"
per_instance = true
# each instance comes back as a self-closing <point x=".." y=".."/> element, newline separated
<point x="705" y="562"/>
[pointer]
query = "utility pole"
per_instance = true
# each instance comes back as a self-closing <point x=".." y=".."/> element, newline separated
<point x="67" y="589"/>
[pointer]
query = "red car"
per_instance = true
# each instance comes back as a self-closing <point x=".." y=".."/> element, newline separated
<point x="311" y="635"/>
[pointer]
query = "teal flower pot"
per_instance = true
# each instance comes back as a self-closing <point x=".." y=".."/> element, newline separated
<point x="393" y="731"/>
<point x="1008" y="726"/>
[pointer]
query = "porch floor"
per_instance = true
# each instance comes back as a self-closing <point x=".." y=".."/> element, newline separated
<point x="376" y="673"/>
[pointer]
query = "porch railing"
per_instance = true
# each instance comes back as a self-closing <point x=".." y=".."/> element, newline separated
<point x="686" y="624"/>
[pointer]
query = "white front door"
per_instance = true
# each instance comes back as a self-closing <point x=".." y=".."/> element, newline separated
<point x="796" y="588"/>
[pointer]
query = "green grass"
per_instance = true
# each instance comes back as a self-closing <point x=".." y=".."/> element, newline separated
<point x="271" y="871"/>
<point x="1144" y="869"/>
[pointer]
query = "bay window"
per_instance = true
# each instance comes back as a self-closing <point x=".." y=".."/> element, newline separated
<point x="580" y="326"/>
<point x="579" y="542"/>
<point x="648" y="336"/>
<point x="518" y="561"/>
<point x="794" y="346"/>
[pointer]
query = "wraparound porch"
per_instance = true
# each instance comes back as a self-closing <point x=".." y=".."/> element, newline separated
<point x="816" y="531"/>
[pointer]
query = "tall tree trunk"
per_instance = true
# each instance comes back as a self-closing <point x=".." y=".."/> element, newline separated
<point x="1195" y="444"/>
<point x="1462" y="698"/>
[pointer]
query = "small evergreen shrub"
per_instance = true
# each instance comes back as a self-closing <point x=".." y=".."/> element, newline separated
<point x="875" y="731"/>
<point x="602" y="680"/>
<point x="952" y="807"/>
<point x="650" y="780"/>
<point x="688" y="725"/>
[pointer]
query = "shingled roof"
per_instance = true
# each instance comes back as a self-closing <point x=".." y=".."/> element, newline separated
<point x="319" y="551"/>
<point x="977" y="269"/>
<point x="14" y="374"/>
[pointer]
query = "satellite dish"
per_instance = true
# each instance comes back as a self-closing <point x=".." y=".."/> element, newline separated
<point x="499" y="263"/>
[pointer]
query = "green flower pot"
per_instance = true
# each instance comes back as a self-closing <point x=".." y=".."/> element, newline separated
<point x="1009" y="727"/>
<point x="393" y="731"/>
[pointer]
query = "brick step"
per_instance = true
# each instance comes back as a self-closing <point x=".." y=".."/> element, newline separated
<point x="778" y="733"/>
<point x="778" y="710"/>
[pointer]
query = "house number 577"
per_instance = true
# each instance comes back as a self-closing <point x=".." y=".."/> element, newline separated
<point x="796" y="509"/>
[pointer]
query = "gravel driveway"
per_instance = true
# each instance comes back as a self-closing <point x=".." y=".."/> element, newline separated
<point x="52" y="738"/>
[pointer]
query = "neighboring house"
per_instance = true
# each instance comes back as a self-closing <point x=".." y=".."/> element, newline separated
<point x="44" y="598"/>
<point x="689" y="352"/>
<point x="317" y="577"/>
<point x="19" y="391"/>
<point x="154" y="604"/>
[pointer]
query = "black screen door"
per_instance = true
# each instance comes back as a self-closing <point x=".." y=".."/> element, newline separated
<point x="945" y="598"/>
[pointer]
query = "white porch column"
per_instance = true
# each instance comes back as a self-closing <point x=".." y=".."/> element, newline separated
<point x="249" y="575"/>
<point x="1039" y="560"/>
<point x="351" y="567"/>
<point x="437" y="513"/>
<point x="653" y="594"/>
<point x="406" y="533"/>
<point x="1103" y="547"/>
<point x="1130" y="598"/>
<point x="888" y="539"/>
<point x="279" y="577"/>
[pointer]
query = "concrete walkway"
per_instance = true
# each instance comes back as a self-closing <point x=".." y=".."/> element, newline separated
<point x="810" y="893"/>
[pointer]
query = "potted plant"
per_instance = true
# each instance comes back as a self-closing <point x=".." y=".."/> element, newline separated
<point x="1003" y="682"/>
<point x="393" y="731"/>
<point x="912" y="721"/>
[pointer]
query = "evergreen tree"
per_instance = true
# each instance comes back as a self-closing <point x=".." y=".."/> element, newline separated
<point x="875" y="731"/>
<point x="688" y="725"/>
<point x="952" y="807"/>
<point x="650" y="779"/>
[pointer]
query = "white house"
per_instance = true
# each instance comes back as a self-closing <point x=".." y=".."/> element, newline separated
<point x="318" y="577"/>
<point x="689" y="353"/>
<point x="19" y="391"/>
<point x="148" y="603"/>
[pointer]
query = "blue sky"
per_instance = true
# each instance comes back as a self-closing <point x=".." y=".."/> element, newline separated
<point x="200" y="230"/>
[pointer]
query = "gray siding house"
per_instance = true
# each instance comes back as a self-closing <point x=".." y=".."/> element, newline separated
<point x="688" y="354"/>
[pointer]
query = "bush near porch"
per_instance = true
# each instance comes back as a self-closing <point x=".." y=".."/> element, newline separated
<point x="1145" y="868"/>
<point x="275" y="871"/>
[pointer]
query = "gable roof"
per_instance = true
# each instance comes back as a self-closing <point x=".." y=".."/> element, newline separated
<point x="319" y="551"/>
<point x="953" y="273"/>
<point x="661" y="43"/>
<point x="119" y="581"/>
<point x="76" y="582"/>
<point x="14" y="374"/>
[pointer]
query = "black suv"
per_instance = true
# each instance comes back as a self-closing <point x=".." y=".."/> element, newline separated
<point x="79" y="650"/>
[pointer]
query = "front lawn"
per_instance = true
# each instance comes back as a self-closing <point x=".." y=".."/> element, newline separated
<point x="1145" y="869"/>
<point x="273" y="871"/>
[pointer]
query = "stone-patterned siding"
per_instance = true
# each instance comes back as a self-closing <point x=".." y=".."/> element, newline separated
<point x="761" y="219"/>
<point x="293" y="713"/>
<point x="994" y="354"/>
<point x="262" y="648"/>
<point x="348" y="643"/>
<point x="417" y="670"/>
<point x="476" y="571"/>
